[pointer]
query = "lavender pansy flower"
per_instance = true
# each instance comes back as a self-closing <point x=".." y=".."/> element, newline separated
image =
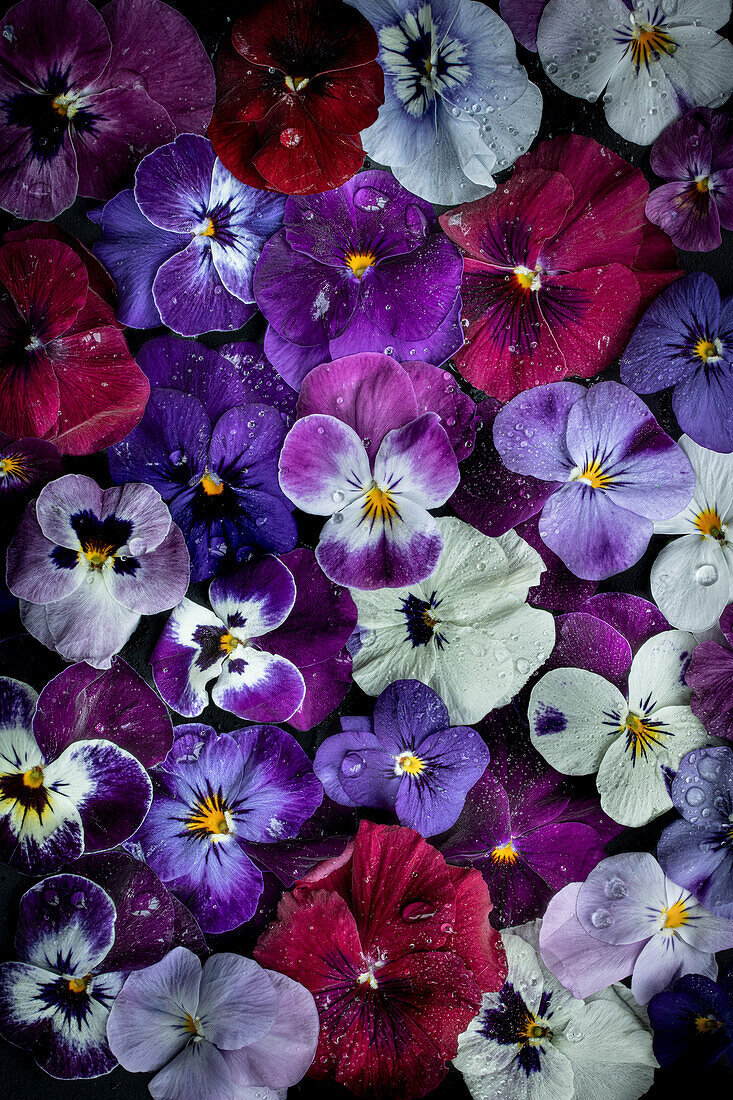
<point x="629" y="918"/>
<point x="209" y="443"/>
<point x="613" y="469"/>
<point x="229" y="1028"/>
<point x="685" y="340"/>
<point x="407" y="759"/>
<point x="710" y="676"/>
<point x="183" y="244"/>
<point x="361" y="268"/>
<point x="695" y="156"/>
<point x="87" y="563"/>
<point x="213" y="796"/>
<point x="693" y="1021"/>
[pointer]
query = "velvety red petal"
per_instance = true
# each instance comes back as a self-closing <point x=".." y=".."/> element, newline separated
<point x="305" y="37"/>
<point x="655" y="266"/>
<point x="245" y="92"/>
<point x="299" y="158"/>
<point x="478" y="944"/>
<point x="47" y="282"/>
<point x="235" y="143"/>
<point x="346" y="102"/>
<point x="100" y="281"/>
<point x="29" y="395"/>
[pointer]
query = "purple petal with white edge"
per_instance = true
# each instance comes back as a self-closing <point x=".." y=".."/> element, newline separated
<point x="224" y="894"/>
<point x="417" y="462"/>
<point x="61" y="499"/>
<point x="324" y="465"/>
<point x="582" y="641"/>
<point x="173" y="184"/>
<point x="529" y="431"/>
<point x="633" y="617"/>
<point x="191" y="297"/>
<point x="66" y="924"/>
<point x="256" y="599"/>
<point x="199" y="1070"/>
<point x="89" y="625"/>
<point x="699" y="860"/>
<point x="436" y="390"/>
<point x="662" y="961"/>
<point x="152" y="582"/>
<point x="591" y="534"/>
<point x="116" y="704"/>
<point x="237" y="1001"/>
<point x="622" y="898"/>
<point x="259" y="686"/>
<point x="245" y="219"/>
<point x="572" y="718"/>
<point x="278" y="789"/>
<point x="710" y="675"/>
<point x="343" y="752"/>
<point x="38" y="570"/>
<point x="187" y="655"/>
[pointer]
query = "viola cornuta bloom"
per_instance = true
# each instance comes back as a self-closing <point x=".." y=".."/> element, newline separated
<point x="693" y="1021"/>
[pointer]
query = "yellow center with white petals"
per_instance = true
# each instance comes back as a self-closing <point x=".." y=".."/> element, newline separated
<point x="592" y="474"/>
<point x="648" y="42"/>
<point x="208" y="230"/>
<point x="65" y="105"/>
<point x="675" y="916"/>
<point x="379" y="505"/>
<point x="710" y="525"/>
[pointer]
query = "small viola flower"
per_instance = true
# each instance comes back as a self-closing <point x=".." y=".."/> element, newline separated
<point x="26" y="464"/>
<point x="465" y="631"/>
<point x="209" y="443"/>
<point x="182" y="246"/>
<point x="629" y="918"/>
<point x="583" y="724"/>
<point x="685" y="340"/>
<point x="555" y="275"/>
<point x="396" y="948"/>
<point x="362" y="268"/>
<point x="407" y="759"/>
<point x="86" y="563"/>
<point x="695" y="156"/>
<point x="710" y="676"/>
<point x="693" y="1022"/>
<point x="85" y="94"/>
<point x="213" y="796"/>
<point x="535" y="1039"/>
<point x="654" y="63"/>
<point x="692" y="578"/>
<point x="294" y="88"/>
<point x="66" y="373"/>
<point x="613" y="468"/>
<point x="459" y="107"/>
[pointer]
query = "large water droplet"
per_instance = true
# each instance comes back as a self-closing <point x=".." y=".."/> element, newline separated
<point x="694" y="796"/>
<point x="615" y="888"/>
<point x="705" y="575"/>
<point x="352" y="764"/>
<point x="601" y="918"/>
<point x="370" y="199"/>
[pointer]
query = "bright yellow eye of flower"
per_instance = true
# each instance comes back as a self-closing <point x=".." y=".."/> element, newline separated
<point x="97" y="553"/>
<point x="407" y="764"/>
<point x="707" y="1023"/>
<point x="212" y="485"/>
<point x="359" y="262"/>
<point x="210" y="818"/>
<point x="705" y="349"/>
<point x="649" y="41"/>
<point x="209" y="229"/>
<point x="703" y="184"/>
<point x="13" y="467"/>
<point x="710" y="525"/>
<point x="506" y="853"/>
<point x="592" y="474"/>
<point x="675" y="916"/>
<point x="79" y="985"/>
<point x="379" y="505"/>
<point x="297" y="83"/>
<point x="33" y="778"/>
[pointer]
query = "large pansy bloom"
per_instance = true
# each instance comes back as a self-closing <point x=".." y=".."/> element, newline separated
<point x="361" y="268"/>
<point x="209" y="443"/>
<point x="655" y="60"/>
<point x="613" y="468"/>
<point x="459" y="107"/>
<point x="86" y="563"/>
<point x="66" y="373"/>
<point x="84" y="94"/>
<point x="294" y="88"/>
<point x="182" y="246"/>
<point x="559" y="261"/>
<point x="397" y="950"/>
<point x="213" y="796"/>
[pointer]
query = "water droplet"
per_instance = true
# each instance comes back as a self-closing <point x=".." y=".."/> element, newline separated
<point x="137" y="547"/>
<point x="338" y="496"/>
<point x="573" y="1034"/>
<point x="523" y="666"/>
<point x="370" y="199"/>
<point x="705" y="575"/>
<point x="601" y="918"/>
<point x="352" y="764"/>
<point x="694" y="796"/>
<point x="290" y="137"/>
<point x="615" y="888"/>
<point x="50" y="897"/>
<point x="338" y="517"/>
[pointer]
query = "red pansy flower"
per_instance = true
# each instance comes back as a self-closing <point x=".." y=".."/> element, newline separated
<point x="397" y="949"/>
<point x="294" y="91"/>
<point x="66" y="373"/>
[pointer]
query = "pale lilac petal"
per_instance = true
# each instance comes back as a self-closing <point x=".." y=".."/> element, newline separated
<point x="159" y="580"/>
<point x="89" y="625"/>
<point x="622" y="897"/>
<point x="38" y="570"/>
<point x="199" y="1070"/>
<point x="591" y="534"/>
<point x="529" y="431"/>
<point x="662" y="961"/>
<point x="323" y="465"/>
<point x="63" y="498"/>
<point x="237" y="1001"/>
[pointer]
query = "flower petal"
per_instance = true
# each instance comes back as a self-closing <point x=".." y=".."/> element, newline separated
<point x="574" y="715"/>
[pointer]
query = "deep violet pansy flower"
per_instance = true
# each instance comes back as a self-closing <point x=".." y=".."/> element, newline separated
<point x="685" y="340"/>
<point x="710" y="675"/>
<point x="407" y="759"/>
<point x="214" y="795"/>
<point x="66" y="373"/>
<point x="26" y="464"/>
<point x="613" y="468"/>
<point x="209" y="443"/>
<point x="361" y="268"/>
<point x="86" y="563"/>
<point x="396" y="948"/>
<point x="229" y="1028"/>
<point x="84" y="94"/>
<point x="294" y="88"/>
<point x="183" y="244"/>
<point x="693" y="1021"/>
<point x="559" y="262"/>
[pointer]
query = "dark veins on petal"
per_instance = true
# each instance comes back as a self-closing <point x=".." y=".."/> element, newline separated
<point x="512" y="1023"/>
<point x="47" y="123"/>
<point x="421" y="622"/>
<point x="72" y="1004"/>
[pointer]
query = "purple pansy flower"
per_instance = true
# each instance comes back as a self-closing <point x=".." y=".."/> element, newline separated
<point x="710" y="676"/>
<point x="693" y="1021"/>
<point x="213" y="795"/>
<point x="209" y="444"/>
<point x="183" y="244"/>
<point x="229" y="1028"/>
<point x="26" y="464"/>
<point x="685" y="340"/>
<point x="361" y="268"/>
<point x="695" y="156"/>
<point x="84" y="94"/>
<point x="612" y="468"/>
<point x="87" y="563"/>
<point x="407" y="759"/>
<point x="629" y="918"/>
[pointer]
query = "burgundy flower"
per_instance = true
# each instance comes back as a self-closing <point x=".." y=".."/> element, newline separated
<point x="295" y="88"/>
<point x="397" y="950"/>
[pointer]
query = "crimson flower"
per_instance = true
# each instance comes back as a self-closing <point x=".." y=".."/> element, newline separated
<point x="397" y="950"/>
<point x="294" y="90"/>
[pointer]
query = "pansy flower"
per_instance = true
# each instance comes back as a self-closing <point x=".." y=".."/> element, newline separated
<point x="559" y="261"/>
<point x="583" y="724"/>
<point x="183" y="244"/>
<point x="710" y="676"/>
<point x="466" y="630"/>
<point x="654" y="60"/>
<point x="229" y="1028"/>
<point x="458" y="106"/>
<point x="214" y="795"/>
<point x="361" y="268"/>
<point x="685" y="340"/>
<point x="693" y="1022"/>
<point x="628" y="918"/>
<point x="294" y="88"/>
<point x="396" y="948"/>
<point x="613" y="468"/>
<point x="86" y="93"/>
<point x="25" y="464"/>
<point x="86" y="563"/>
<point x="534" y="1039"/>
<point x="209" y="443"/>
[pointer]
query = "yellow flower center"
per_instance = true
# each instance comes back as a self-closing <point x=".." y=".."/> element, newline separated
<point x="97" y="553"/>
<point x="33" y="777"/>
<point x="641" y="737"/>
<point x="210" y="818"/>
<point x="702" y="184"/>
<point x="79" y="985"/>
<point x="526" y="278"/>
<point x="359" y="262"/>
<point x="12" y="467"/>
<point x="367" y="980"/>
<point x="297" y="83"/>
<point x="212" y="485"/>
<point x="648" y="42"/>
<point x="228" y="643"/>
<point x="532" y="1031"/>
<point x="505" y="853"/>
<point x="675" y="916"/>
<point x="209" y="229"/>
<point x="379" y="504"/>
<point x="710" y="525"/>
<point x="65" y="105"/>
<point x="707" y="1023"/>
<point x="706" y="349"/>
<point x="407" y="764"/>
<point x="592" y="474"/>
<point x="192" y="1025"/>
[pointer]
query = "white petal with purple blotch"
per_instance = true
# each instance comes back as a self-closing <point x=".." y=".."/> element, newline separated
<point x="255" y="599"/>
<point x="40" y="825"/>
<point x="574" y="716"/>
<point x="657" y="675"/>
<point x="188" y="655"/>
<point x="66" y="925"/>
